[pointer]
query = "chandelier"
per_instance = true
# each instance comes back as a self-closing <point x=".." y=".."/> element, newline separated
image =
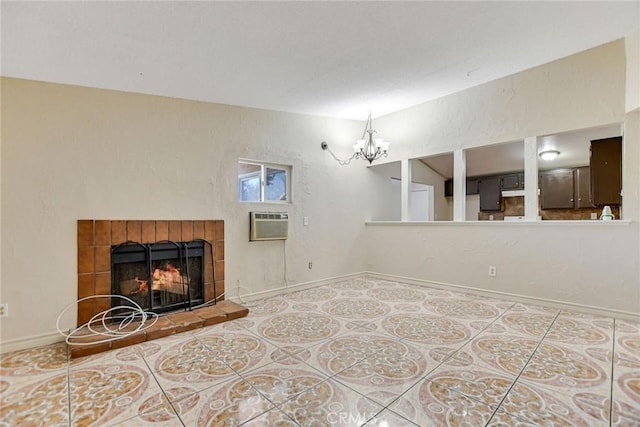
<point x="367" y="147"/>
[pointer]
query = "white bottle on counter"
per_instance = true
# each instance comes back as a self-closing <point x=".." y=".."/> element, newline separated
<point x="606" y="214"/>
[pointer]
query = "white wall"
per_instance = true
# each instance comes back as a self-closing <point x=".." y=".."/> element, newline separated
<point x="588" y="264"/>
<point x="472" y="207"/>
<point x="579" y="91"/>
<point x="632" y="49"/>
<point x="72" y="153"/>
<point x="425" y="175"/>
<point x="384" y="180"/>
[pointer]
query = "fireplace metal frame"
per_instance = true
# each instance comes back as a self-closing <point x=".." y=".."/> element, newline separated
<point x="149" y="253"/>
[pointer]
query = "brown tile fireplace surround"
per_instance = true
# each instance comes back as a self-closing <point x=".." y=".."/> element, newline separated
<point x="95" y="240"/>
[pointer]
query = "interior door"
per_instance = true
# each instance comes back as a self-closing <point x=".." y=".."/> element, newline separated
<point x="421" y="203"/>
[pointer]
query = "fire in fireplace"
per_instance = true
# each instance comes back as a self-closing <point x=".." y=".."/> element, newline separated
<point x="159" y="277"/>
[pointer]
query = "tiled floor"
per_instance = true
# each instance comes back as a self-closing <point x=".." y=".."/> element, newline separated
<point x="357" y="352"/>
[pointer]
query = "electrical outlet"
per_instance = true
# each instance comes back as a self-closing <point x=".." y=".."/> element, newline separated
<point x="305" y="220"/>
<point x="4" y="309"/>
<point x="492" y="271"/>
<point x="594" y="215"/>
<point x="310" y="265"/>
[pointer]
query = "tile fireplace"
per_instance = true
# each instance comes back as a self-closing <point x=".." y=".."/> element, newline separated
<point x="162" y="265"/>
<point x="167" y="267"/>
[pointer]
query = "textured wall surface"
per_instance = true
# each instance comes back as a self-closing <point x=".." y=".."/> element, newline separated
<point x="588" y="264"/>
<point x="70" y="153"/>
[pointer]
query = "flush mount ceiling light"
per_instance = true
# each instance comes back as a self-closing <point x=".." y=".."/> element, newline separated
<point x="549" y="154"/>
<point x="367" y="147"/>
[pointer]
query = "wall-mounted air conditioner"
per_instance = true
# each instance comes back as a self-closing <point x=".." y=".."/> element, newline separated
<point x="268" y="226"/>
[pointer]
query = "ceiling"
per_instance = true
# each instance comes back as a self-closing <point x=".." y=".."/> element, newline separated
<point x="337" y="59"/>
<point x="509" y="157"/>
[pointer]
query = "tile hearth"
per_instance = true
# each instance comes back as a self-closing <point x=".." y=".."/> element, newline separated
<point x="82" y="344"/>
<point x="355" y="352"/>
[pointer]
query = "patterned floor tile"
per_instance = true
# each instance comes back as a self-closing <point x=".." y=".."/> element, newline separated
<point x="278" y="383"/>
<point x="313" y="296"/>
<point x="20" y="368"/>
<point x="186" y="360"/>
<point x="626" y="399"/>
<point x="299" y="328"/>
<point x="389" y="418"/>
<point x="591" y="335"/>
<point x="502" y="419"/>
<point x="431" y="404"/>
<point x="333" y="356"/>
<point x="544" y="408"/>
<point x="562" y="369"/>
<point x="160" y="418"/>
<point x="267" y="307"/>
<point x="110" y="390"/>
<point x="506" y="354"/>
<point x="356" y="309"/>
<point x="35" y="361"/>
<point x="462" y="308"/>
<point x="532" y="323"/>
<point x="626" y="348"/>
<point x="230" y="403"/>
<point x="399" y="298"/>
<point x="360" y="350"/>
<point x="385" y="374"/>
<point x="484" y="386"/>
<point x="274" y="417"/>
<point x="330" y="403"/>
<point x="40" y="402"/>
<point x="533" y="308"/>
<point x="240" y="350"/>
<point x="421" y="328"/>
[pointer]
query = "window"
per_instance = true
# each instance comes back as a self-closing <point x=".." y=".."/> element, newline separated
<point x="262" y="182"/>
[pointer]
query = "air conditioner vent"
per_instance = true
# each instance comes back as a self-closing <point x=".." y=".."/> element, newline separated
<point x="268" y="226"/>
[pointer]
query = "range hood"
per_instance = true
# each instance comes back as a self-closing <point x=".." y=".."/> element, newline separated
<point x="512" y="193"/>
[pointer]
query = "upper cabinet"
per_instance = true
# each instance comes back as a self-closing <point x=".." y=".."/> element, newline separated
<point x="556" y="189"/>
<point x="606" y="171"/>
<point x="490" y="194"/>
<point x="514" y="181"/>
<point x="582" y="187"/>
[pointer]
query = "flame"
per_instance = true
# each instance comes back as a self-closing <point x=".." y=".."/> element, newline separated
<point x="167" y="279"/>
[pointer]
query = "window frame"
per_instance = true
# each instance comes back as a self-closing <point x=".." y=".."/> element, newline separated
<point x="262" y="174"/>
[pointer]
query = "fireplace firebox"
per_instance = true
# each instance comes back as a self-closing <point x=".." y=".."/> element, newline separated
<point x="159" y="277"/>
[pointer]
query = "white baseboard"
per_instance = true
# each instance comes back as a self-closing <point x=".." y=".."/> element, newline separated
<point x="255" y="296"/>
<point x="600" y="311"/>
<point x="30" y="342"/>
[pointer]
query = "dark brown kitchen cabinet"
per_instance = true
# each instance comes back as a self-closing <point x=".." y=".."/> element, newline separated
<point x="582" y="188"/>
<point x="490" y="193"/>
<point x="448" y="188"/>
<point x="556" y="189"/>
<point x="606" y="171"/>
<point x="472" y="186"/>
<point x="514" y="181"/>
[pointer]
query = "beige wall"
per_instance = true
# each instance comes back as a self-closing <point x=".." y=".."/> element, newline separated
<point x="586" y="264"/>
<point x="579" y="91"/>
<point x="632" y="49"/>
<point x="71" y="152"/>
<point x="423" y="174"/>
